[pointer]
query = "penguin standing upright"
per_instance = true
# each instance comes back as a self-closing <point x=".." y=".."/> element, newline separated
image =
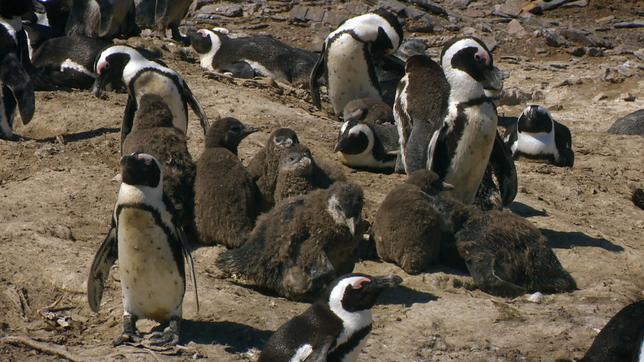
<point x="226" y="199"/>
<point x="150" y="246"/>
<point x="99" y="18"/>
<point x="16" y="89"/>
<point x="348" y="57"/>
<point x="161" y="15"/>
<point x="335" y="327"/>
<point x="120" y="64"/>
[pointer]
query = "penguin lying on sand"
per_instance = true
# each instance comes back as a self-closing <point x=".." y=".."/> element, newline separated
<point x="226" y="198"/>
<point x="348" y="56"/>
<point x="335" y="327"/>
<point x="148" y="242"/>
<point x="370" y="146"/>
<point x="622" y="338"/>
<point x="120" y="64"/>
<point x="302" y="244"/>
<point x="265" y="55"/>
<point x="537" y="135"/>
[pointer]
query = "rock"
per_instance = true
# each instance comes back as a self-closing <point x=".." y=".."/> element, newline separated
<point x="490" y="42"/>
<point x="510" y="9"/>
<point x="461" y="4"/>
<point x="421" y="24"/>
<point x="429" y="6"/>
<point x="578" y="37"/>
<point x="315" y="14"/>
<point x="535" y="297"/>
<point x="333" y="18"/>
<point x="639" y="54"/>
<point x="513" y="97"/>
<point x="553" y="38"/>
<point x="60" y="232"/>
<point x="629" y="24"/>
<point x="638" y="198"/>
<point x="578" y="3"/>
<point x="600" y="97"/>
<point x="630" y="124"/>
<point x="627" y="97"/>
<point x="228" y="10"/>
<point x="576" y="51"/>
<point x="298" y="13"/>
<point x="594" y="52"/>
<point x="515" y="28"/>
<point x="629" y="68"/>
<point x="605" y="19"/>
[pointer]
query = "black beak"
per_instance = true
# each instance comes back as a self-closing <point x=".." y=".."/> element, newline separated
<point x="342" y="142"/>
<point x="99" y="84"/>
<point x="389" y="281"/>
<point x="493" y="79"/>
<point x="15" y="77"/>
<point x="249" y="129"/>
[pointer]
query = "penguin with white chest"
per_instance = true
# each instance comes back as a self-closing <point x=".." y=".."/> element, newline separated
<point x="150" y="247"/>
<point x="121" y="64"/>
<point x="348" y="57"/>
<point x="537" y="135"/>
<point x="368" y="146"/>
<point x="335" y="328"/>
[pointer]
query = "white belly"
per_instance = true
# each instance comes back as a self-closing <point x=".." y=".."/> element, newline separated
<point x="472" y="153"/>
<point x="537" y="143"/>
<point x="365" y="159"/>
<point x="151" y="283"/>
<point x="348" y="73"/>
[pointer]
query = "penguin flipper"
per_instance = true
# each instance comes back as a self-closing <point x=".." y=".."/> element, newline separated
<point x="196" y="107"/>
<point x="321" y="351"/>
<point x="105" y="257"/>
<point x="183" y="239"/>
<point x="504" y="170"/>
<point x="316" y="73"/>
<point x="128" y="119"/>
<point x="14" y="76"/>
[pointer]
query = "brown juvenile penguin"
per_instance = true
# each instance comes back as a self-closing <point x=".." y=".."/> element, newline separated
<point x="295" y="173"/>
<point x="408" y="231"/>
<point x="226" y="200"/>
<point x="368" y="110"/>
<point x="301" y="245"/>
<point x="153" y="133"/>
<point x="264" y="166"/>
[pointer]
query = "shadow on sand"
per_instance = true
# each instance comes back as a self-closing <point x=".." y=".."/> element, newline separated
<point x="570" y="239"/>
<point x="237" y="337"/>
<point x="526" y="211"/>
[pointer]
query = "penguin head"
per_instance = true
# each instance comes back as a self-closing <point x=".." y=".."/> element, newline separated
<point x="352" y="293"/>
<point x="428" y="181"/>
<point x="282" y="138"/>
<point x="354" y="138"/>
<point x="345" y="204"/>
<point x="536" y="119"/>
<point x="380" y="29"/>
<point x="297" y="160"/>
<point x="207" y="42"/>
<point x="468" y="65"/>
<point x="141" y="169"/>
<point x="228" y="133"/>
<point x="109" y="66"/>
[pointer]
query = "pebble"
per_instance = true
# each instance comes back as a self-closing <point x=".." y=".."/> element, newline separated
<point x="515" y="28"/>
<point x="510" y="9"/>
<point x="627" y="97"/>
<point x="535" y="297"/>
<point x="600" y="97"/>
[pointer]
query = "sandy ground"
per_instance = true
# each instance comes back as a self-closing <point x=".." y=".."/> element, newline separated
<point x="56" y="199"/>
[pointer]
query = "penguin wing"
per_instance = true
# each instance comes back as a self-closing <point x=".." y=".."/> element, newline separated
<point x="183" y="239"/>
<point x="504" y="170"/>
<point x="14" y="76"/>
<point x="316" y="73"/>
<point x="128" y="118"/>
<point x="438" y="153"/>
<point x="196" y="107"/>
<point x="105" y="257"/>
<point x="321" y="351"/>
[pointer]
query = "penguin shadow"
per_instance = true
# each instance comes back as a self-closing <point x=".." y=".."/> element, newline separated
<point x="237" y="337"/>
<point x="79" y="136"/>
<point x="570" y="239"/>
<point x="405" y="296"/>
<point x="526" y="211"/>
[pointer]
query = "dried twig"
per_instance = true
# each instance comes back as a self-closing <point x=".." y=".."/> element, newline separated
<point x="48" y="348"/>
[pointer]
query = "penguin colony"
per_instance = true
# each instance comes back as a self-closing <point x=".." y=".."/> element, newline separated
<point x="292" y="225"/>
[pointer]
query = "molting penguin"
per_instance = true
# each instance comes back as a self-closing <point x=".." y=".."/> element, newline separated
<point x="295" y="176"/>
<point x="408" y="230"/>
<point x="67" y="62"/>
<point x="149" y="244"/>
<point x="226" y="199"/>
<point x="335" y="327"/>
<point x="162" y="15"/>
<point x="302" y="244"/>
<point x="348" y="57"/>
<point x="120" y="64"/>
<point x="16" y="89"/>
<point x="622" y="338"/>
<point x="265" y="55"/>
<point x="460" y="151"/>
<point x="368" y="146"/>
<point x="154" y="134"/>
<point x="537" y="135"/>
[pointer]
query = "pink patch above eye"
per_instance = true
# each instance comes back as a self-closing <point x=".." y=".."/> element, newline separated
<point x="358" y="283"/>
<point x="100" y="67"/>
<point x="482" y="56"/>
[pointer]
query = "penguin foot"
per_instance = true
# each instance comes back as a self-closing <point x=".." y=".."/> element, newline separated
<point x="169" y="336"/>
<point x="130" y="334"/>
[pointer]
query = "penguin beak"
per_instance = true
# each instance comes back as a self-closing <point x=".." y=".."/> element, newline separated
<point x="249" y="129"/>
<point x="351" y="223"/>
<point x="343" y="141"/>
<point x="493" y="80"/>
<point x="16" y="78"/>
<point x="389" y="281"/>
<point x="99" y="84"/>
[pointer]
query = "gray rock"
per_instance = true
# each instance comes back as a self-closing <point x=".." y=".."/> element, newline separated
<point x="510" y="9"/>
<point x="429" y="6"/>
<point x="333" y="18"/>
<point x="630" y="124"/>
<point x="629" y="24"/>
<point x="595" y="52"/>
<point x="639" y="54"/>
<point x="298" y="13"/>
<point x="315" y="14"/>
<point x="515" y="28"/>
<point x="421" y="24"/>
<point x="461" y="4"/>
<point x="228" y="10"/>
<point x="627" y="97"/>
<point x="553" y="38"/>
<point x="578" y="37"/>
<point x="513" y="97"/>
<point x="576" y="51"/>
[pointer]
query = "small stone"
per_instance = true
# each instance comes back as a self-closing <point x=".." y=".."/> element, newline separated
<point x="429" y="6"/>
<point x="578" y="37"/>
<point x="605" y="19"/>
<point x="228" y="10"/>
<point x="576" y="51"/>
<point x="490" y="42"/>
<point x="515" y="28"/>
<point x="461" y="4"/>
<point x="298" y="13"/>
<point x="628" y="68"/>
<point x="411" y="47"/>
<point x="422" y="24"/>
<point x="553" y="38"/>
<point x="600" y="97"/>
<point x="639" y="54"/>
<point x="594" y="52"/>
<point x="60" y="232"/>
<point x="511" y="9"/>
<point x="535" y="297"/>
<point x="627" y="97"/>
<point x="315" y="14"/>
<point x="333" y="18"/>
<point x="629" y="24"/>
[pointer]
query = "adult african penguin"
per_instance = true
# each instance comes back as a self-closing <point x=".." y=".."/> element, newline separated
<point x="335" y="327"/>
<point x="16" y="88"/>
<point x="154" y="134"/>
<point x="149" y="244"/>
<point x="100" y="18"/>
<point x="368" y="146"/>
<point x="67" y="62"/>
<point x="161" y="15"/>
<point x="120" y="64"/>
<point x="302" y="244"/>
<point x="265" y="55"/>
<point x="622" y="338"/>
<point x="348" y="54"/>
<point x="226" y="198"/>
<point x="537" y="135"/>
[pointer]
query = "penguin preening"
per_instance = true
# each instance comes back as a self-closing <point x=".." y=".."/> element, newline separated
<point x="536" y="134"/>
<point x="148" y="242"/>
<point x="120" y="64"/>
<point x="154" y="134"/>
<point x="408" y="229"/>
<point x="302" y="244"/>
<point x="335" y="327"/>
<point x="263" y="55"/>
<point x="368" y="146"/>
<point x="348" y="55"/>
<point x="226" y="198"/>
<point x="622" y="338"/>
<point x="16" y="88"/>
